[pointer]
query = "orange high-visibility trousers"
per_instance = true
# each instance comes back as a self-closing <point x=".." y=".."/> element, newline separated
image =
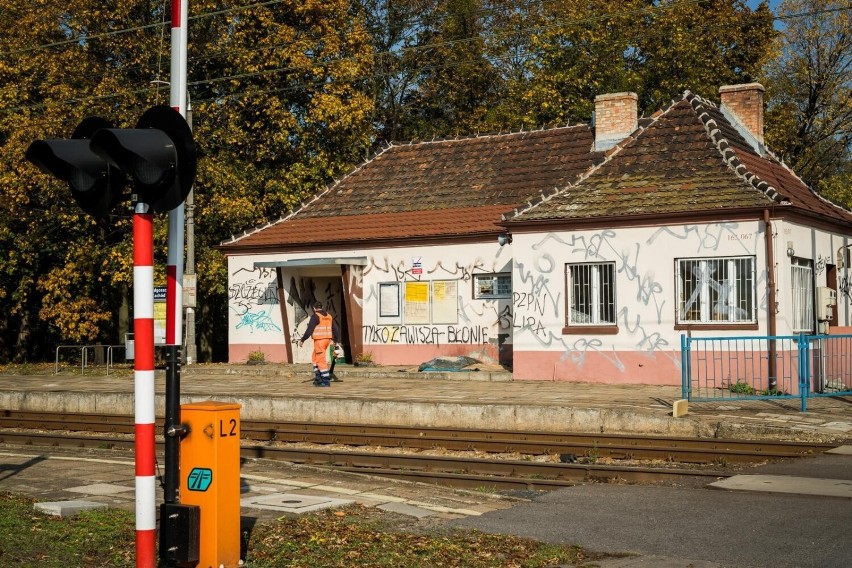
<point x="320" y="356"/>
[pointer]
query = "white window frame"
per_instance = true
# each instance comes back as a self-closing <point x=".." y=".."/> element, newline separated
<point x="595" y="281"/>
<point x="736" y="291"/>
<point x="495" y="278"/>
<point x="802" y="288"/>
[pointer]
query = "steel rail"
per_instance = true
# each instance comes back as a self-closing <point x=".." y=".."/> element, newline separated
<point x="617" y="446"/>
<point x="451" y="470"/>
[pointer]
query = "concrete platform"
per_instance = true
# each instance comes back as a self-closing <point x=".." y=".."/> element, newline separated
<point x="403" y="396"/>
<point x="787" y="484"/>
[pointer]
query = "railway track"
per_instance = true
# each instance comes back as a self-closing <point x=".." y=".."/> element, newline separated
<point x="580" y="454"/>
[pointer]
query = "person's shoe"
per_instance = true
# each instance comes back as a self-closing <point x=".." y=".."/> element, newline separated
<point x="325" y="384"/>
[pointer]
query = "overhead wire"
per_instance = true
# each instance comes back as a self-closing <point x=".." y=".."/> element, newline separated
<point x="433" y="45"/>
<point x="102" y="35"/>
<point x="321" y="82"/>
<point x="414" y="48"/>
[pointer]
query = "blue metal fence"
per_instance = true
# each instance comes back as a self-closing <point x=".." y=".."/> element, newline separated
<point x="766" y="367"/>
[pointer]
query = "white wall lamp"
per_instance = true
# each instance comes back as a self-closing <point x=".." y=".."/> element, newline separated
<point x="504" y="238"/>
<point x="790" y="251"/>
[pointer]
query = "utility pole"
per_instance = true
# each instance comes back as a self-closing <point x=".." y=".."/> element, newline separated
<point x="191" y="281"/>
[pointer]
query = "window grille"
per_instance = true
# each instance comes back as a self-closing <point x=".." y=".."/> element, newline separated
<point x="716" y="290"/>
<point x="592" y="293"/>
<point x="803" y="295"/>
<point x="492" y="286"/>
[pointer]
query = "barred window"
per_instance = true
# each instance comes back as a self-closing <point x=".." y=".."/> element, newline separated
<point x="803" y="295"/>
<point x="716" y="290"/>
<point x="591" y="290"/>
<point x="492" y="285"/>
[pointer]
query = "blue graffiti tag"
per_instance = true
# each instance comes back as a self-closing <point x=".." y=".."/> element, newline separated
<point x="261" y="321"/>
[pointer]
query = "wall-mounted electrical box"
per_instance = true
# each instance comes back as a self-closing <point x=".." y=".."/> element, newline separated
<point x="826" y="300"/>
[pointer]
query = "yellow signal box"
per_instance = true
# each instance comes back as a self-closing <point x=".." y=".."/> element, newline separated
<point x="210" y="478"/>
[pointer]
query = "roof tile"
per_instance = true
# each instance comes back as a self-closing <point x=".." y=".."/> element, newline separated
<point x="687" y="158"/>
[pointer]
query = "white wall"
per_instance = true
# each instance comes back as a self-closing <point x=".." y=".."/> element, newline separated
<point x="254" y="312"/>
<point x="824" y="249"/>
<point x="646" y="302"/>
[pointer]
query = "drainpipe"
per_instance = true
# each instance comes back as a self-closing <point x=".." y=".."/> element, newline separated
<point x="771" y="304"/>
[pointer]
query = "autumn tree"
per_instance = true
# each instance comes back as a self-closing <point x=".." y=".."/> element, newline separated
<point x="64" y="275"/>
<point x="278" y="113"/>
<point x="809" y="89"/>
<point x="474" y="65"/>
<point x="699" y="46"/>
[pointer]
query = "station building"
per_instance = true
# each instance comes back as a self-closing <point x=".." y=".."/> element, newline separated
<point x="574" y="253"/>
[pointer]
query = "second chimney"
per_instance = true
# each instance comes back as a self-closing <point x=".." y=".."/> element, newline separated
<point x="745" y="102"/>
<point x="616" y="118"/>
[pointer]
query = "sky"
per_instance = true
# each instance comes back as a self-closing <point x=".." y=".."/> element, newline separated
<point x="773" y="4"/>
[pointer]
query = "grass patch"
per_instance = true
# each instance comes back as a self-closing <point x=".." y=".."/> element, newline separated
<point x="741" y="387"/>
<point x="103" y="537"/>
<point x="354" y="536"/>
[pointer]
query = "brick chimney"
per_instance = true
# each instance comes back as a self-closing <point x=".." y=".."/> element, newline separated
<point x="745" y="102"/>
<point x="616" y="118"/>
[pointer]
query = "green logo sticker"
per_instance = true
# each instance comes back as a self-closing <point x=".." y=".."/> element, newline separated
<point x="199" y="479"/>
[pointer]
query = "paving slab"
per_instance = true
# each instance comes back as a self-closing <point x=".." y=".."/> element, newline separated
<point x="406" y="509"/>
<point x="67" y="508"/>
<point x="654" y="562"/>
<point x="787" y="484"/>
<point x="100" y="489"/>
<point x="293" y="503"/>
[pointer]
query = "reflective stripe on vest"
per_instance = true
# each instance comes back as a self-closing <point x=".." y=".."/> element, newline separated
<point x="323" y="328"/>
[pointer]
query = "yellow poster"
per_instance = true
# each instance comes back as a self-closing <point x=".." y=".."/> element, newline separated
<point x="159" y="323"/>
<point x="416" y="302"/>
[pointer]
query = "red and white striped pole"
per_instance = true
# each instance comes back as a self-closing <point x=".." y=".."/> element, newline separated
<point x="174" y="268"/>
<point x="143" y="376"/>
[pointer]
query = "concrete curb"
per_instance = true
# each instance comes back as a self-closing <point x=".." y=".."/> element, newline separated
<point x="403" y="413"/>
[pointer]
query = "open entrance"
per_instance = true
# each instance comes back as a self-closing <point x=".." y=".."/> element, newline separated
<point x="337" y="283"/>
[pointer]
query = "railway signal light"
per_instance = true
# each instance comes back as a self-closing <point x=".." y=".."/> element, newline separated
<point x="95" y="185"/>
<point x="158" y="155"/>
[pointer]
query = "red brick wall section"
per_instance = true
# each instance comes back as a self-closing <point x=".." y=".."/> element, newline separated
<point x="615" y="117"/>
<point x="745" y="101"/>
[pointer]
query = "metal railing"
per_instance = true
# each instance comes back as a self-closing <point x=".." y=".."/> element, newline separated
<point x="766" y="367"/>
<point x="85" y="352"/>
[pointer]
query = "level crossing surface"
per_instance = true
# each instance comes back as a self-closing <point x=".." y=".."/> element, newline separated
<point x="402" y="396"/>
<point x="679" y="527"/>
<point x="652" y="526"/>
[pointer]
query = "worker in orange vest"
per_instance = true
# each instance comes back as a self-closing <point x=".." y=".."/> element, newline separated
<point x="323" y="330"/>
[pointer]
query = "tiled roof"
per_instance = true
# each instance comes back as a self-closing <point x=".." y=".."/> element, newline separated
<point x="688" y="159"/>
<point x="447" y="187"/>
<point x="353" y="228"/>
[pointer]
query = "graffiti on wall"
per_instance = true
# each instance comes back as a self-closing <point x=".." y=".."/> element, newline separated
<point x="538" y="300"/>
<point x="466" y="331"/>
<point x="707" y="238"/>
<point x="426" y="334"/>
<point x="303" y="292"/>
<point x="843" y="287"/>
<point x="252" y="296"/>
